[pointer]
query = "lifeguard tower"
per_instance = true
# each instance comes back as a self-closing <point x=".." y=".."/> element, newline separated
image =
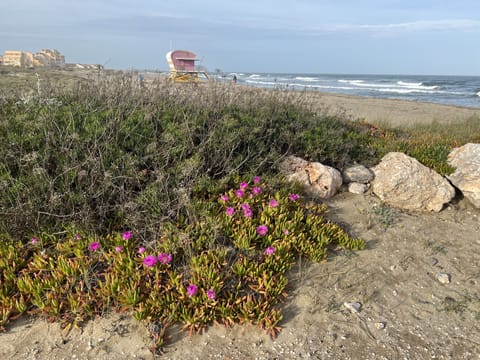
<point x="182" y="67"/>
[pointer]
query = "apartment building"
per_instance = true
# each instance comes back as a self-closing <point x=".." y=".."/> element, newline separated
<point x="25" y="59"/>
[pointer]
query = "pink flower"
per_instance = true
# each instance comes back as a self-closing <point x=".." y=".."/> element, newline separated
<point x="224" y="198"/>
<point x="141" y="250"/>
<point x="287" y="232"/>
<point x="294" y="197"/>
<point x="230" y="211"/>
<point x="34" y="240"/>
<point x="273" y="203"/>
<point x="78" y="237"/>
<point x="149" y="261"/>
<point x="245" y="207"/>
<point x="248" y="213"/>
<point x="262" y="230"/>
<point x="211" y="294"/>
<point x="243" y="185"/>
<point x="269" y="250"/>
<point x="165" y="258"/>
<point x="239" y="193"/>
<point x="257" y="179"/>
<point x="93" y="246"/>
<point x="256" y="190"/>
<point x="118" y="249"/>
<point x="126" y="235"/>
<point x="192" y="290"/>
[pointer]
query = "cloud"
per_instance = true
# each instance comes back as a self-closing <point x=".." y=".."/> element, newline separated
<point x="414" y="26"/>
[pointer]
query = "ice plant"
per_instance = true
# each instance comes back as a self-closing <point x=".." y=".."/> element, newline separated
<point x="93" y="246"/>
<point x="165" y="258"/>
<point x="211" y="294"/>
<point x="192" y="290"/>
<point x="243" y="185"/>
<point x="141" y="250"/>
<point x="273" y="203"/>
<point x="269" y="250"/>
<point x="262" y="230"/>
<point x="239" y="193"/>
<point x="149" y="261"/>
<point x="224" y="198"/>
<point x="256" y="190"/>
<point x="78" y="237"/>
<point x="230" y="211"/>
<point x="287" y="232"/>
<point x="294" y="197"/>
<point x="34" y="240"/>
<point x="247" y="211"/>
<point x="257" y="179"/>
<point x="126" y="235"/>
<point x="118" y="249"/>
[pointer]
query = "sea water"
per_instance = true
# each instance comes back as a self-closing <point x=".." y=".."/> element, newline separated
<point x="449" y="90"/>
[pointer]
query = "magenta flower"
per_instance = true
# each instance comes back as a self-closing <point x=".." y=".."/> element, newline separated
<point x="262" y="230"/>
<point x="243" y="185"/>
<point x="224" y="198"/>
<point x="149" y="261"/>
<point x="257" y="179"/>
<point x="239" y="193"/>
<point x="230" y="211"/>
<point x="269" y="250"/>
<point x="141" y="250"/>
<point x="34" y="240"/>
<point x="248" y="213"/>
<point x="78" y="237"/>
<point x="287" y="232"/>
<point x="211" y="294"/>
<point x="294" y="197"/>
<point x="256" y="190"/>
<point x="192" y="290"/>
<point x="118" y="249"/>
<point x="93" y="246"/>
<point x="165" y="258"/>
<point x="273" y="203"/>
<point x="126" y="235"/>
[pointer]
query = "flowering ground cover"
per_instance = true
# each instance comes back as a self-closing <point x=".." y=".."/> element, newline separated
<point x="228" y="267"/>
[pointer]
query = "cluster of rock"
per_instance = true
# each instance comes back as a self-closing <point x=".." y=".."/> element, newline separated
<point x="398" y="180"/>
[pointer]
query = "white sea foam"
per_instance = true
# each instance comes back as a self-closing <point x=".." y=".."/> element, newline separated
<point x="306" y="78"/>
<point x="478" y="93"/>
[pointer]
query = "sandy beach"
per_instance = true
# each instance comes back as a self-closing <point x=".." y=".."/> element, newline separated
<point x="406" y="312"/>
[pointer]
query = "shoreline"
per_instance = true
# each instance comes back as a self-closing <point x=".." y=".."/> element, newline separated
<point x="379" y="111"/>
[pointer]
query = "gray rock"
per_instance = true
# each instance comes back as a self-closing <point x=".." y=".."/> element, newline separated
<point x="358" y="174"/>
<point x="380" y="325"/>
<point x="444" y="278"/>
<point x="466" y="161"/>
<point x="357" y="188"/>
<point x="354" y="307"/>
<point x="401" y="181"/>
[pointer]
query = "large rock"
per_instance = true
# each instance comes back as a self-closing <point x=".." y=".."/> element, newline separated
<point x="466" y="161"/>
<point x="318" y="179"/>
<point x="403" y="182"/>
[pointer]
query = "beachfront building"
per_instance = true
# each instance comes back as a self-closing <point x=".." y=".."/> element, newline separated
<point x="25" y="59"/>
<point x="49" y="57"/>
<point x="17" y="58"/>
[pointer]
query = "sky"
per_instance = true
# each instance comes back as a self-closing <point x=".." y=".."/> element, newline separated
<point x="424" y="37"/>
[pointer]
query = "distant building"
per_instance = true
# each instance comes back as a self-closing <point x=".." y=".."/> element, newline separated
<point x="25" y="59"/>
<point x="1" y="60"/>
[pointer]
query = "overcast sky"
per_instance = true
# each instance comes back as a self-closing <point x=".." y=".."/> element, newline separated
<point x="440" y="37"/>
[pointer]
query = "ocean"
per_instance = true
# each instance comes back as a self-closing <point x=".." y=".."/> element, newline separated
<point x="449" y="90"/>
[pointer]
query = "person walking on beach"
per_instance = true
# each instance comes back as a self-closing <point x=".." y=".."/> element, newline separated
<point x="234" y="80"/>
